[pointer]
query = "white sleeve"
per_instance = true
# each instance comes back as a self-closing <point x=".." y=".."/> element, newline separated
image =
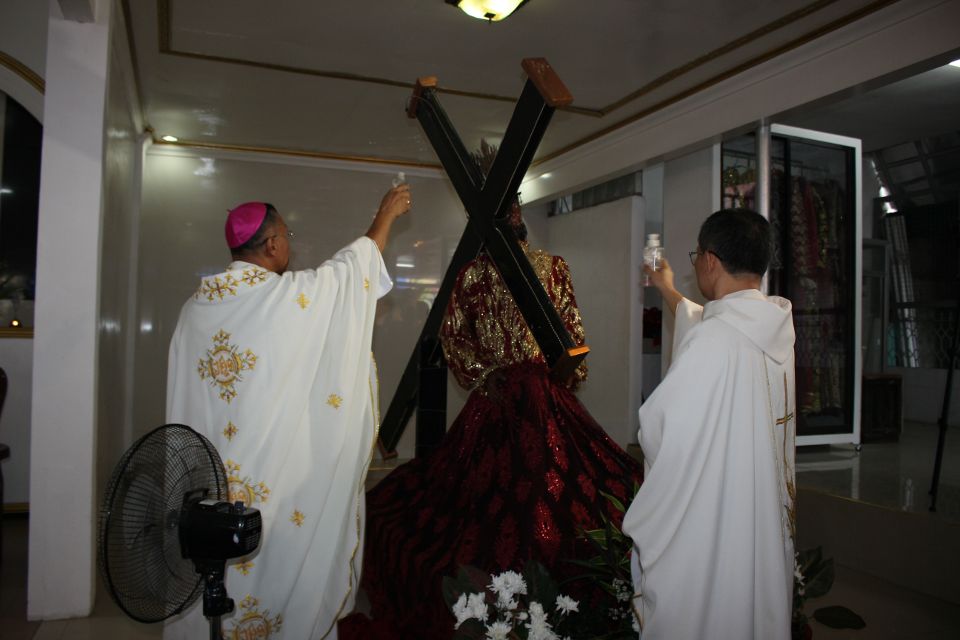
<point x="688" y="316"/>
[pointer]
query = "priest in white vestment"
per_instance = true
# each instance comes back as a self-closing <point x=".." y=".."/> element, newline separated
<point x="713" y="523"/>
<point x="274" y="367"/>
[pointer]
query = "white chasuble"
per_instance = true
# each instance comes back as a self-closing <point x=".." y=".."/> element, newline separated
<point x="276" y="370"/>
<point x="712" y="524"/>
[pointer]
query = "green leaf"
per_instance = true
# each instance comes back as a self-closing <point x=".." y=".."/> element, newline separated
<point x="838" y="617"/>
<point x="819" y="583"/>
<point x="614" y="501"/>
<point x="451" y="591"/>
<point x="540" y="586"/>
<point x="471" y="629"/>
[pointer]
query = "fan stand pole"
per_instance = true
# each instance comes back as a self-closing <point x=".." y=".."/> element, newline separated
<point x="215" y="600"/>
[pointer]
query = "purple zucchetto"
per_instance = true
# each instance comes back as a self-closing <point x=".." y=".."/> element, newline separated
<point x="243" y="222"/>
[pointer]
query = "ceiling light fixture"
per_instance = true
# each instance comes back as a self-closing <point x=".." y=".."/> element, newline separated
<point x="955" y="63"/>
<point x="489" y="10"/>
<point x="170" y="138"/>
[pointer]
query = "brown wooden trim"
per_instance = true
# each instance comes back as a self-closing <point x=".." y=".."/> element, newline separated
<point x="16" y="332"/>
<point x="16" y="507"/>
<point x="26" y="73"/>
<point x="299" y="153"/>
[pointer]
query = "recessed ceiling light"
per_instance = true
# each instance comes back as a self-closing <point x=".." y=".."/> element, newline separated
<point x="546" y="175"/>
<point x="489" y="10"/>
<point x="955" y="63"/>
<point x="170" y="138"/>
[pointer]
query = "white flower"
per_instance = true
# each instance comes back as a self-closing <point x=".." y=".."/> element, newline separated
<point x="508" y="584"/>
<point x="538" y="626"/>
<point x="798" y="576"/>
<point x="537" y="614"/>
<point x="460" y="610"/>
<point x="467" y="607"/>
<point x="566" y="604"/>
<point x="504" y="603"/>
<point x="498" y="631"/>
<point x="477" y="606"/>
<point x="522" y="615"/>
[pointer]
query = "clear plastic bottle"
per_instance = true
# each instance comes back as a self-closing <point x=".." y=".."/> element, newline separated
<point x="652" y="255"/>
<point x="399" y="179"/>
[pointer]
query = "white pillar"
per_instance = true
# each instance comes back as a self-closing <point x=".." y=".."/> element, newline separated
<point x="62" y="500"/>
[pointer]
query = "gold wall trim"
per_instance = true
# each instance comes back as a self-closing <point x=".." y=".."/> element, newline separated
<point x="32" y="78"/>
<point x="720" y="77"/>
<point x="299" y="153"/>
<point x="20" y="332"/>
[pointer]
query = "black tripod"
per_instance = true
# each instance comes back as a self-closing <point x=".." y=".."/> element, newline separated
<point x="945" y="412"/>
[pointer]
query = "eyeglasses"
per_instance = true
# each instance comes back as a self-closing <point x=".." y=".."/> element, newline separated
<point x="290" y="235"/>
<point x="694" y="254"/>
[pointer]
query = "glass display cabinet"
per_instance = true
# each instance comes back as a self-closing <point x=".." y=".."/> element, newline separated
<point x="807" y="183"/>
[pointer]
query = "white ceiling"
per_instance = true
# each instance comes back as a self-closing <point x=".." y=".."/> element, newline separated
<point x="331" y="78"/>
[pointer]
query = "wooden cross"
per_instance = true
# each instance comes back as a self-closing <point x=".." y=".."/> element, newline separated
<point x="487" y="201"/>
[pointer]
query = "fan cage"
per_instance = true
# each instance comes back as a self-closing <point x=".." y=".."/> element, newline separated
<point x="138" y="538"/>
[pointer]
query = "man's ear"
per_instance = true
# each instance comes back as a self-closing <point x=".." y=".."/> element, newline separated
<point x="270" y="247"/>
<point x="713" y="262"/>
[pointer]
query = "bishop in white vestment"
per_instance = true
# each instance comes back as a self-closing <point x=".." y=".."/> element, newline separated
<point x="274" y="367"/>
<point x="713" y="522"/>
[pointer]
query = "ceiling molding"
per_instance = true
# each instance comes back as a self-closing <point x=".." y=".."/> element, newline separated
<point x="807" y="38"/>
<point x="164" y="26"/>
<point x="295" y="153"/>
<point x="26" y="73"/>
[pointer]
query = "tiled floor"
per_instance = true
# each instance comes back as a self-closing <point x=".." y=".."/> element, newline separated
<point x="890" y="474"/>
<point x="895" y="475"/>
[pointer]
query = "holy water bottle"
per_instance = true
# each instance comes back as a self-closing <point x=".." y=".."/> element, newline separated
<point x="652" y="255"/>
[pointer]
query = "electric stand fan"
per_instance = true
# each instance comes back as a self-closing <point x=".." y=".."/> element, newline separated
<point x="167" y="529"/>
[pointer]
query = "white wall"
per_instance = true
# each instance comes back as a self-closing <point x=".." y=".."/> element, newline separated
<point x="327" y="204"/>
<point x="923" y="396"/>
<point x="122" y="166"/>
<point x="65" y="346"/>
<point x="603" y="246"/>
<point x="691" y="192"/>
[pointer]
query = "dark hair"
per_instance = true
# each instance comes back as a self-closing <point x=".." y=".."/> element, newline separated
<point x="257" y="239"/>
<point x="740" y="238"/>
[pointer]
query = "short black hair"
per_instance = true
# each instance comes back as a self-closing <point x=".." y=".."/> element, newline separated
<point x="740" y="238"/>
<point x="257" y="239"/>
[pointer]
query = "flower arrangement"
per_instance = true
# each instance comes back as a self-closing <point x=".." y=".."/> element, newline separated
<point x="609" y="569"/>
<point x="510" y="607"/>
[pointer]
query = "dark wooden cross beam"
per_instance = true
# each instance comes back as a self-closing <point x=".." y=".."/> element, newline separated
<point x="487" y="201"/>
